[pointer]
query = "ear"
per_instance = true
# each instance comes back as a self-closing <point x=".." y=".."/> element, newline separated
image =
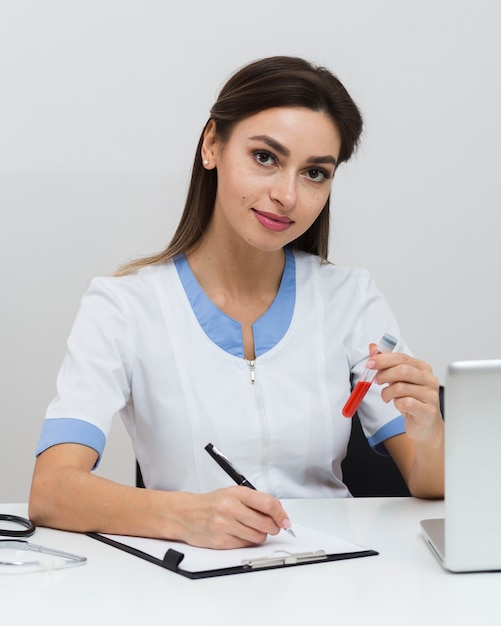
<point x="209" y="146"/>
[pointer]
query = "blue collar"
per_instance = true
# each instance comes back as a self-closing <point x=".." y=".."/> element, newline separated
<point x="226" y="332"/>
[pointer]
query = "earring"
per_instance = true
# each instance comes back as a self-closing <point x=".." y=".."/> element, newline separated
<point x="206" y="162"/>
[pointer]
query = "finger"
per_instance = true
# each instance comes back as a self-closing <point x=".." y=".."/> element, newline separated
<point x="412" y="399"/>
<point x="423" y="389"/>
<point x="404" y="369"/>
<point x="243" y="516"/>
<point x="419" y="405"/>
<point x="272" y="516"/>
<point x="225" y="522"/>
<point x="386" y="360"/>
<point x="414" y="406"/>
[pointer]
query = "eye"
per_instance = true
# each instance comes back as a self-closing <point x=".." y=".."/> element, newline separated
<point x="317" y="174"/>
<point x="264" y="157"/>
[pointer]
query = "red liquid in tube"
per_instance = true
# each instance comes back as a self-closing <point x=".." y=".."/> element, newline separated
<point x="357" y="395"/>
<point x="387" y="344"/>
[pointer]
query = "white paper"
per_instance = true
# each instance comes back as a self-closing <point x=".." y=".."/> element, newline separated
<point x="206" y="559"/>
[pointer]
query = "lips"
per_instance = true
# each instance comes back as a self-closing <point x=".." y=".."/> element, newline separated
<point x="277" y="223"/>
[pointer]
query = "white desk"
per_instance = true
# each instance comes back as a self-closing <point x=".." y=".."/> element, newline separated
<point x="404" y="584"/>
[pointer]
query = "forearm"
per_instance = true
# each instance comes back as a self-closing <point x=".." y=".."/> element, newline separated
<point x="66" y="495"/>
<point x="426" y="476"/>
<point x="73" y="499"/>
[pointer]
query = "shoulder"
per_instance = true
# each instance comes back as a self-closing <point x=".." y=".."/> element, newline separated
<point x="329" y="275"/>
<point x="128" y="295"/>
<point x="132" y="285"/>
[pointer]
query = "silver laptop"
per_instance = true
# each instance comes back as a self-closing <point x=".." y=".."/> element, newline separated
<point x="469" y="538"/>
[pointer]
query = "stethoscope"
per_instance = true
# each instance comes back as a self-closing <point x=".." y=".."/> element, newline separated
<point x="26" y="530"/>
<point x="19" y="552"/>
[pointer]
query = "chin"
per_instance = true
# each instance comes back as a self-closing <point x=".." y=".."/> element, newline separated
<point x="272" y="243"/>
<point x="267" y="247"/>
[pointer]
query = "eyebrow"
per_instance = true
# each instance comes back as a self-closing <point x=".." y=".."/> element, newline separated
<point x="278" y="147"/>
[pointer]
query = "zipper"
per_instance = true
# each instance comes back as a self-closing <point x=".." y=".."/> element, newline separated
<point x="252" y="368"/>
<point x="263" y="426"/>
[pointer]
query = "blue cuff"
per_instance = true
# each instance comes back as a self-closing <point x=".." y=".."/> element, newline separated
<point x="70" y="430"/>
<point x="395" y="427"/>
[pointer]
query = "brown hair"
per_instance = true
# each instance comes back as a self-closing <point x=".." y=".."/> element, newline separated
<point x="270" y="82"/>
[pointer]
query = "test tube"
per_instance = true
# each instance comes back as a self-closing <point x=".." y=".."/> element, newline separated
<point x="387" y="344"/>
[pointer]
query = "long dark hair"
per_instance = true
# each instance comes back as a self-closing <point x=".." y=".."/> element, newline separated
<point x="270" y="82"/>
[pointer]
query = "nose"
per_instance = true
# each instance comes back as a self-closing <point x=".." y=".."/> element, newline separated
<point x="283" y="190"/>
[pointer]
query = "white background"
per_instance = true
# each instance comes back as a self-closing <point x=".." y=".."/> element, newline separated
<point x="102" y="103"/>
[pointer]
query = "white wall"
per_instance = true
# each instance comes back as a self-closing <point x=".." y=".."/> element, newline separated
<point x="101" y="105"/>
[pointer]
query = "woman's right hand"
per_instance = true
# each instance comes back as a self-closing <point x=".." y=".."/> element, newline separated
<point x="233" y="517"/>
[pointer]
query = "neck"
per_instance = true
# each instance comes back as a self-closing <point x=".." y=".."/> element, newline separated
<point x="238" y="272"/>
<point x="240" y="280"/>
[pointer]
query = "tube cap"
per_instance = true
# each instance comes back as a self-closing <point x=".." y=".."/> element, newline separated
<point x="387" y="343"/>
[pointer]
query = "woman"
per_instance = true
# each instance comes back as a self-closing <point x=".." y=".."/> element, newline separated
<point x="240" y="333"/>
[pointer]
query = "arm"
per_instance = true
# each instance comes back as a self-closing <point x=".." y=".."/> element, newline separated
<point x="64" y="494"/>
<point x="419" y="453"/>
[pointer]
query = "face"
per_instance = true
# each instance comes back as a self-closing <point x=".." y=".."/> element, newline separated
<point x="274" y="175"/>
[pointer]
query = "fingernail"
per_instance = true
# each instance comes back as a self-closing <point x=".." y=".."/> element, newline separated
<point x="286" y="523"/>
<point x="370" y="364"/>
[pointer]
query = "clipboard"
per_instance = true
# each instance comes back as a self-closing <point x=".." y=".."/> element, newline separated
<point x="279" y="551"/>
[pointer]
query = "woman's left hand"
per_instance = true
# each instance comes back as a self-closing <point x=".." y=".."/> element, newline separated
<point x="414" y="389"/>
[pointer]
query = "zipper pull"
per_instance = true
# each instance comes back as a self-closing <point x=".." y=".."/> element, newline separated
<point x="252" y="367"/>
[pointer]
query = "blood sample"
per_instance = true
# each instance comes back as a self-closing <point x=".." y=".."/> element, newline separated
<point x="387" y="344"/>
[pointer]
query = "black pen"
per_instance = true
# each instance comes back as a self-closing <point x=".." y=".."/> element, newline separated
<point x="229" y="468"/>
